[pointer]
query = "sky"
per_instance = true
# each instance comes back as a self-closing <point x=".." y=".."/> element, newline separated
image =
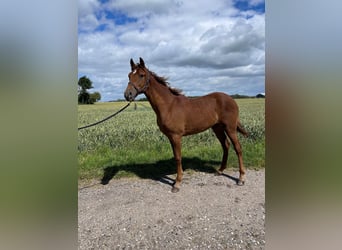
<point x="200" y="46"/>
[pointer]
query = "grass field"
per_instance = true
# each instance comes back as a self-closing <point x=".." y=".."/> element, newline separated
<point x="131" y="144"/>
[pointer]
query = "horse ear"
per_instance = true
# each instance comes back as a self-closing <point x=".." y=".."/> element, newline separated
<point x="133" y="66"/>
<point x="142" y="63"/>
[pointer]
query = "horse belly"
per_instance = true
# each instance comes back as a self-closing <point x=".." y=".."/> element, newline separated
<point x="185" y="126"/>
<point x="200" y="123"/>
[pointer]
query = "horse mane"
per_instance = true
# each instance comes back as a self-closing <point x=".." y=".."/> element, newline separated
<point x="163" y="81"/>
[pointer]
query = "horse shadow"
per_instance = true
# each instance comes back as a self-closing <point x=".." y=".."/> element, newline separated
<point x="160" y="170"/>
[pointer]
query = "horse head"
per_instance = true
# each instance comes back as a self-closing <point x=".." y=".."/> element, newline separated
<point x="138" y="80"/>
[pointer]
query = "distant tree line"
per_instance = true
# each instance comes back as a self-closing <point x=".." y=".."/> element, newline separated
<point x="84" y="83"/>
<point x="237" y="96"/>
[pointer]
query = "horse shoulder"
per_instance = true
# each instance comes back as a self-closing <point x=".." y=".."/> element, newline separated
<point x="170" y="121"/>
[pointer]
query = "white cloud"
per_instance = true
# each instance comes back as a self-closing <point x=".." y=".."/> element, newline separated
<point x="87" y="20"/>
<point x="138" y="8"/>
<point x="202" y="46"/>
<point x="255" y="2"/>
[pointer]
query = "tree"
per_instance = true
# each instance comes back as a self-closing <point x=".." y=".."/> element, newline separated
<point x="83" y="97"/>
<point x="94" y="97"/>
<point x="84" y="83"/>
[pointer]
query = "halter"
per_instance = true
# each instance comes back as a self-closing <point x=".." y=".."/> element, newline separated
<point x="143" y="89"/>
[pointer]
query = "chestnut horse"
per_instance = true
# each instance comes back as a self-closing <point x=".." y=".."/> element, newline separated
<point x="178" y="115"/>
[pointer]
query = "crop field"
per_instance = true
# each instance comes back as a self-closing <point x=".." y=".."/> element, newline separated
<point x="130" y="144"/>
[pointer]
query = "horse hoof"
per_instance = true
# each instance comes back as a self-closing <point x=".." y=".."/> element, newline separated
<point x="175" y="189"/>
<point x="217" y="173"/>
<point x="240" y="183"/>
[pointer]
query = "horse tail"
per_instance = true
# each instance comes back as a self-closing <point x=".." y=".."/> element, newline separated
<point x="241" y="129"/>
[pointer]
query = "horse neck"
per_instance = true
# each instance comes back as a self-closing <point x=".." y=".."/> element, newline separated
<point x="159" y="96"/>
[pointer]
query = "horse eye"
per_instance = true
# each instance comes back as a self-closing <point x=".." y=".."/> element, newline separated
<point x="141" y="75"/>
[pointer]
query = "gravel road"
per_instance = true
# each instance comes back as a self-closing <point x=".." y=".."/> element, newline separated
<point x="208" y="212"/>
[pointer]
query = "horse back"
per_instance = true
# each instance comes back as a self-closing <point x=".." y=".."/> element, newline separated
<point x="217" y="107"/>
<point x="188" y="116"/>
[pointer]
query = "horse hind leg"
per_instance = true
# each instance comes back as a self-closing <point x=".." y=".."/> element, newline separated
<point x="232" y="134"/>
<point x="221" y="136"/>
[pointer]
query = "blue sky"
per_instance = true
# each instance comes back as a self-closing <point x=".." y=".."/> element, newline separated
<point x="201" y="46"/>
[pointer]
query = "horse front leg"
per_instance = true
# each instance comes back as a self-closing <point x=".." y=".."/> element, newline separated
<point x="176" y="148"/>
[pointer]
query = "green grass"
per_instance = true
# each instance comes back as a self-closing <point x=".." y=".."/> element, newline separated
<point x="131" y="144"/>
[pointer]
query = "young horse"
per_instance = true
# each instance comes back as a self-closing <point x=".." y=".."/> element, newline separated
<point x="178" y="115"/>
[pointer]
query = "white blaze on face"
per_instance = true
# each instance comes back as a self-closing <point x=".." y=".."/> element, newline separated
<point x="135" y="71"/>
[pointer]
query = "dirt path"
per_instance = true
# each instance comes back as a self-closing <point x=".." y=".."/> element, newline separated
<point x="208" y="212"/>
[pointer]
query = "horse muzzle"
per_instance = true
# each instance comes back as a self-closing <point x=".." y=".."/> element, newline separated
<point x="130" y="94"/>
